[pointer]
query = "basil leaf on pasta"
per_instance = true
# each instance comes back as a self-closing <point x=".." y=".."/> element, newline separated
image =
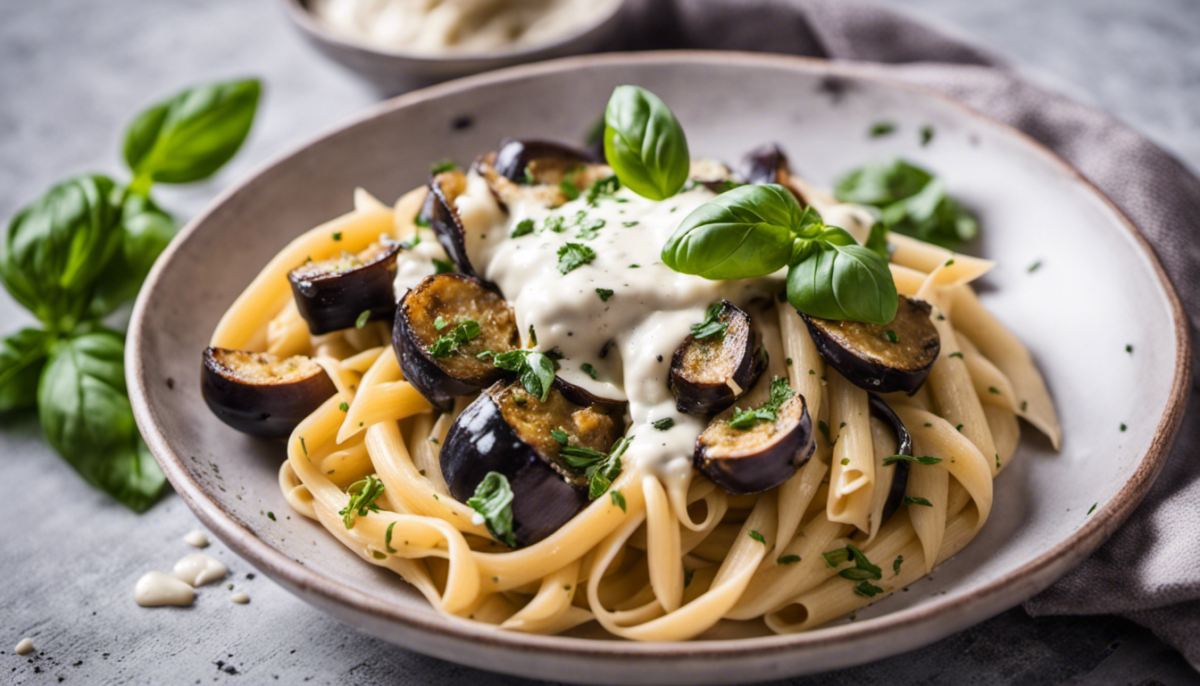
<point x="493" y="501"/>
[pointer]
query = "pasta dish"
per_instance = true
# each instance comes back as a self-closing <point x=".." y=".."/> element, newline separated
<point x="630" y="387"/>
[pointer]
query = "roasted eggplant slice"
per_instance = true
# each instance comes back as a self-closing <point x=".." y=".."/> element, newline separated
<point x="884" y="413"/>
<point x="748" y="451"/>
<point x="441" y="327"/>
<point x="769" y="164"/>
<point x="510" y="431"/>
<point x="262" y="394"/>
<point x="444" y="220"/>
<point x="545" y="161"/>
<point x="332" y="294"/>
<point x="547" y="188"/>
<point x="883" y="358"/>
<point x="717" y="363"/>
<point x="765" y="164"/>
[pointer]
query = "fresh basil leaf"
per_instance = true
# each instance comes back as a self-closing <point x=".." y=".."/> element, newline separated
<point x="146" y="230"/>
<point x="534" y="370"/>
<point x="877" y="240"/>
<point x="22" y="357"/>
<point x="644" y="143"/>
<point x="740" y="234"/>
<point x="363" y="494"/>
<point x="56" y="248"/>
<point x="911" y="200"/>
<point x="192" y="134"/>
<point x="87" y="419"/>
<point x="493" y="501"/>
<point x="841" y="279"/>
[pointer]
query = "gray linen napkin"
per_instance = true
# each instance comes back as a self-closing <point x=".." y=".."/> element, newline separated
<point x="1149" y="571"/>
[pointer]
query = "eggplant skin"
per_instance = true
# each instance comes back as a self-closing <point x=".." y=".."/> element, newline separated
<point x="760" y="458"/>
<point x="866" y="355"/>
<point x="703" y="369"/>
<point x="768" y="163"/>
<point x="444" y="220"/>
<point x="262" y="394"/>
<point x="484" y="439"/>
<point x="453" y="297"/>
<point x="517" y="155"/>
<point x="883" y="412"/>
<point x="332" y="294"/>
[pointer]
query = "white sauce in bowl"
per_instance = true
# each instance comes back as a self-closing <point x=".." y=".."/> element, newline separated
<point x="445" y="27"/>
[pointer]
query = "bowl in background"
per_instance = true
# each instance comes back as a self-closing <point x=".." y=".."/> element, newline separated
<point x="394" y="71"/>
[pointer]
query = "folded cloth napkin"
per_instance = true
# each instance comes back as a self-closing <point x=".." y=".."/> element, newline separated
<point x="1149" y="570"/>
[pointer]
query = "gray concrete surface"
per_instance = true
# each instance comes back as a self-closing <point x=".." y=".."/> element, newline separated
<point x="72" y="72"/>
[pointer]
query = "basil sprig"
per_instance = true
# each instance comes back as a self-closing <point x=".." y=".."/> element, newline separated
<point x="910" y="200"/>
<point x="80" y="252"/>
<point x="644" y="143"/>
<point x="756" y="230"/>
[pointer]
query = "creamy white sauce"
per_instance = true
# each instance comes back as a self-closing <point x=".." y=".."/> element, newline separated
<point x="650" y="313"/>
<point x="416" y="263"/>
<point x="436" y="27"/>
<point x="239" y="598"/>
<point x="24" y="646"/>
<point x="196" y="539"/>
<point x="198" y="569"/>
<point x="155" y="589"/>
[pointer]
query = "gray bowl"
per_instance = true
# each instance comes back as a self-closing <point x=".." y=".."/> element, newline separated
<point x="395" y="71"/>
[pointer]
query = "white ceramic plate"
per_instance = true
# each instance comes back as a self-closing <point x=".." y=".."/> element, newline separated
<point x="1099" y="289"/>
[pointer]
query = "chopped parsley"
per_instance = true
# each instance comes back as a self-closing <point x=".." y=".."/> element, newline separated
<point x="337" y="235"/>
<point x="781" y="392"/>
<point x="493" y="501"/>
<point x="629" y="225"/>
<point x="845" y="461"/>
<point x="993" y="390"/>
<point x="788" y="559"/>
<point x="606" y="186"/>
<point x="1129" y="348"/>
<point x="924" y="459"/>
<point x="532" y="335"/>
<point x="443" y="166"/>
<point x="863" y="571"/>
<point x="956" y="354"/>
<point x="443" y="266"/>
<point x="590" y="230"/>
<point x="363" y="494"/>
<point x="881" y="128"/>
<point x="1034" y="267"/>
<point x="663" y="424"/>
<point x="453" y="342"/>
<point x="926" y="135"/>
<point x="1092" y="508"/>
<point x="618" y="499"/>
<point x="568" y="187"/>
<point x="387" y="538"/>
<point x="344" y="407"/>
<point x="413" y="240"/>
<point x="572" y="256"/>
<point x="271" y="516"/>
<point x="824" y="429"/>
<point x="363" y="317"/>
<point x="523" y="228"/>
<point x="896" y="564"/>
<point x="604" y="293"/>
<point x="555" y="223"/>
<point x="440" y="323"/>
<point x="758" y="537"/>
<point x="712" y="324"/>
<point x="868" y="589"/>
<point x="913" y="500"/>
<point x="1123" y="427"/>
<point x="600" y="468"/>
<point x="891" y="336"/>
<point x="588" y="369"/>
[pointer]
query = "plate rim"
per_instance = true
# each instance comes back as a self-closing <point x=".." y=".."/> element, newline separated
<point x="1007" y="590"/>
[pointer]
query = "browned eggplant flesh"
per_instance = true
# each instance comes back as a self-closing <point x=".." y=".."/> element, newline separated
<point x="511" y="431"/>
<point x="332" y="294"/>
<point x="551" y="185"/>
<point x="262" y="394"/>
<point x="768" y="163"/>
<point x="538" y="161"/>
<point x="749" y="451"/>
<point x="718" y="362"/>
<point x="882" y="358"/>
<point x="883" y="412"/>
<point x="442" y="326"/>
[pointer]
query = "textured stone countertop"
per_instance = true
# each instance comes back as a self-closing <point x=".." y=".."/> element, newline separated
<point x="72" y="72"/>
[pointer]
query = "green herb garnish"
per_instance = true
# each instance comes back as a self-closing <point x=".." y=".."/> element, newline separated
<point x="453" y="342"/>
<point x="493" y="501"/>
<point x="523" y="228"/>
<point x="712" y="324"/>
<point x="924" y="459"/>
<point x="604" y="293"/>
<point x="781" y="392"/>
<point x="363" y="494"/>
<point x="534" y="370"/>
<point x="572" y="256"/>
<point x="913" y="500"/>
<point x="663" y="424"/>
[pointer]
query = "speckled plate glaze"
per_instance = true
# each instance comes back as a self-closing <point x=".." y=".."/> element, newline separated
<point x="1095" y="269"/>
